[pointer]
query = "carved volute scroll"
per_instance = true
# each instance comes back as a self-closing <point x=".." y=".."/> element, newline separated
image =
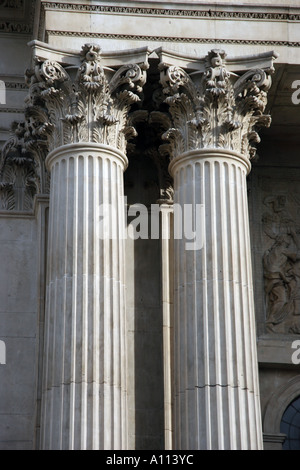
<point x="216" y="108"/>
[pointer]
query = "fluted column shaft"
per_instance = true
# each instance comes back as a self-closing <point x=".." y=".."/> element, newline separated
<point x="216" y="374"/>
<point x="83" y="402"/>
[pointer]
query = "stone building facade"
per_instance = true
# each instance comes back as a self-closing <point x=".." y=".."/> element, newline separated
<point x="150" y="224"/>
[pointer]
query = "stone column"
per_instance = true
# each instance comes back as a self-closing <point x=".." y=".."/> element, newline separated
<point x="214" y="115"/>
<point x="84" y="380"/>
<point x="84" y="374"/>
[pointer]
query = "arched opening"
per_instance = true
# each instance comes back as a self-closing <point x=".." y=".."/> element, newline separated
<point x="290" y="425"/>
<point x="280" y="401"/>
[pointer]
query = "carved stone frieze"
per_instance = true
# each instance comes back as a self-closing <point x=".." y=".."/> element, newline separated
<point x="281" y="262"/>
<point x="175" y="12"/>
<point x="215" y="108"/>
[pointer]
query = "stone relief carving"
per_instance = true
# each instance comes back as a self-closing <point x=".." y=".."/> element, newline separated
<point x="217" y="108"/>
<point x="281" y="264"/>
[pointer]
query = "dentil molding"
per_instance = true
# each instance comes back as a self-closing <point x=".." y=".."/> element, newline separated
<point x="210" y="12"/>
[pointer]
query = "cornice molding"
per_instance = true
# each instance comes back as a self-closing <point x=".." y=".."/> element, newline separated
<point x="256" y="42"/>
<point x="43" y="51"/>
<point x="281" y="15"/>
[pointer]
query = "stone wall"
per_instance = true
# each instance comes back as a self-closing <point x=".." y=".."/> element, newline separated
<point x="18" y="320"/>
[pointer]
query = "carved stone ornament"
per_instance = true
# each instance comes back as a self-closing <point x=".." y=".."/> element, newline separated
<point x="155" y="123"/>
<point x="216" y="108"/>
<point x="79" y="103"/>
<point x="87" y="103"/>
<point x="22" y="168"/>
<point x="281" y="264"/>
<point x="24" y="154"/>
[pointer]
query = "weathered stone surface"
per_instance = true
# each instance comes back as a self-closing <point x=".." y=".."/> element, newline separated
<point x="177" y="34"/>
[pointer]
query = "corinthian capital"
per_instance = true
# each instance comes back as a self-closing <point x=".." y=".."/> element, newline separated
<point x="216" y="106"/>
<point x="86" y="101"/>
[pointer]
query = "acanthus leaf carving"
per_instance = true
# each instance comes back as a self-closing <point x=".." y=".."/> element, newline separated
<point x="216" y="108"/>
<point x="86" y="103"/>
<point x="91" y="107"/>
<point x="19" y="173"/>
